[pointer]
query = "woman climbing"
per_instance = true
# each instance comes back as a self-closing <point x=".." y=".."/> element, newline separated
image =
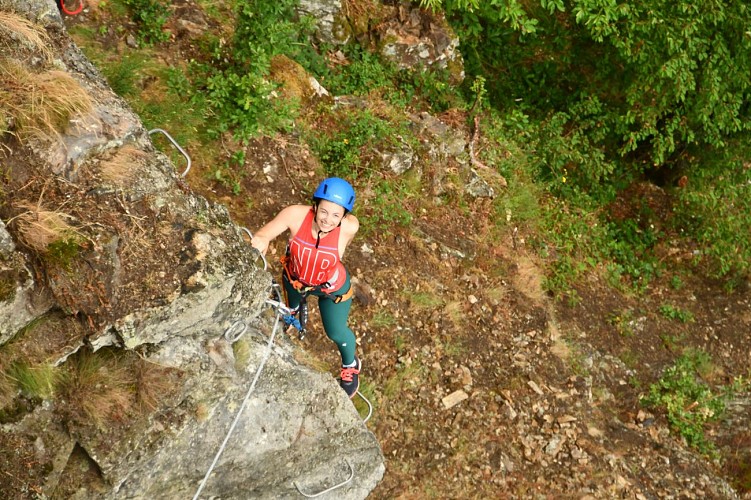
<point x="318" y="237"/>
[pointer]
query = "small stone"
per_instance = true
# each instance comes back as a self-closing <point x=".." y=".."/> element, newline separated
<point x="565" y="419"/>
<point x="554" y="445"/>
<point x="366" y="249"/>
<point x="454" y="398"/>
<point x="595" y="432"/>
<point x="535" y="387"/>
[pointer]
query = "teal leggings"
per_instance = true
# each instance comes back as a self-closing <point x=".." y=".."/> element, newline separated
<point x="334" y="317"/>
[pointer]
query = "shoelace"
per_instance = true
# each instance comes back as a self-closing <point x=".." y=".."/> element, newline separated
<point x="349" y="373"/>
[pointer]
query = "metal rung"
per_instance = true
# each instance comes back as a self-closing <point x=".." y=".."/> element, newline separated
<point x="230" y="334"/>
<point x="351" y="475"/>
<point x="250" y="235"/>
<point x="370" y="407"/>
<point x="174" y="143"/>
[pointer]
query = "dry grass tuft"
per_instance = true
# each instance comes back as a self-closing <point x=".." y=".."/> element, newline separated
<point x="153" y="382"/>
<point x="38" y="104"/>
<point x="7" y="390"/>
<point x="19" y="28"/>
<point x="37" y="228"/>
<point x="293" y="78"/>
<point x="123" y="166"/>
<point x="97" y="388"/>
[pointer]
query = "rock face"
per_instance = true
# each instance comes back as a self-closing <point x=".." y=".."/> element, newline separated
<point x="407" y="35"/>
<point x="157" y="274"/>
<point x="415" y="38"/>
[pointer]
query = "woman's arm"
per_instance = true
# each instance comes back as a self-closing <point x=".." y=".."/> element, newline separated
<point x="289" y="218"/>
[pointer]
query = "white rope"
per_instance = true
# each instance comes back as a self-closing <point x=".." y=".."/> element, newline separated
<point x="242" y="407"/>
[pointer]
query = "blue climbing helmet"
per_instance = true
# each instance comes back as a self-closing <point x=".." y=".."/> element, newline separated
<point x="337" y="191"/>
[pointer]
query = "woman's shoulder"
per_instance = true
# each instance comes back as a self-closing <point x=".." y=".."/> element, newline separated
<point x="350" y="224"/>
<point x="295" y="211"/>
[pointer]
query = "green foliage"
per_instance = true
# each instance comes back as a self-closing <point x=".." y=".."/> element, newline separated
<point x="235" y="80"/>
<point x="424" y="300"/>
<point x="574" y="244"/>
<point x="231" y="173"/>
<point x="150" y="16"/>
<point x="654" y="77"/>
<point x="687" y="400"/>
<point x="123" y="74"/>
<point x="570" y="146"/>
<point x="62" y="252"/>
<point x="368" y="72"/>
<point x="364" y="73"/>
<point x="35" y="381"/>
<point x="479" y="91"/>
<point x="715" y="211"/>
<point x="509" y="13"/>
<point x="676" y="313"/>
<point x="243" y="104"/>
<point x="688" y="60"/>
<point x="676" y="282"/>
<point x="624" y="322"/>
<point x="344" y="151"/>
<point x="630" y="247"/>
<point x="389" y="207"/>
<point x="383" y="319"/>
<point x="430" y="86"/>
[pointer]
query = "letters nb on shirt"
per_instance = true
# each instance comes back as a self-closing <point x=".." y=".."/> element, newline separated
<point x="313" y="265"/>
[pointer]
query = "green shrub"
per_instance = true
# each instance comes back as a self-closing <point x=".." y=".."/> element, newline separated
<point x="631" y="249"/>
<point x="365" y="72"/>
<point x="676" y="313"/>
<point x="150" y="16"/>
<point x="62" y="252"/>
<point x="715" y="211"/>
<point x="687" y="400"/>
<point x="123" y="75"/>
<point x="345" y="150"/>
<point x="235" y="79"/>
<point x="242" y="104"/>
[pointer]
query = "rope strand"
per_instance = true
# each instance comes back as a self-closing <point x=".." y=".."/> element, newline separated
<point x="266" y="355"/>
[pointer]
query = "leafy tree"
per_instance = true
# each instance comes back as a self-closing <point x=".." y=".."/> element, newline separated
<point x="657" y="78"/>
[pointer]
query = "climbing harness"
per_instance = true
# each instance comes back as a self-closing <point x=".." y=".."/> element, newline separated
<point x="71" y="12"/>
<point x="309" y="495"/>
<point x="174" y="143"/>
<point x="301" y="287"/>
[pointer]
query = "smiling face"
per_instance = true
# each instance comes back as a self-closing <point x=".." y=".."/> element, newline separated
<point x="328" y="215"/>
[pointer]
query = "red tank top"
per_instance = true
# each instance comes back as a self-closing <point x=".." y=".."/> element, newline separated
<point x="315" y="266"/>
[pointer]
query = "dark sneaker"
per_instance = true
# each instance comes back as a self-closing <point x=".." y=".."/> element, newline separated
<point x="350" y="378"/>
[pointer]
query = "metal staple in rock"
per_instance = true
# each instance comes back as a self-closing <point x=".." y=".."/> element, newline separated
<point x="314" y="495"/>
<point x="174" y="143"/>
